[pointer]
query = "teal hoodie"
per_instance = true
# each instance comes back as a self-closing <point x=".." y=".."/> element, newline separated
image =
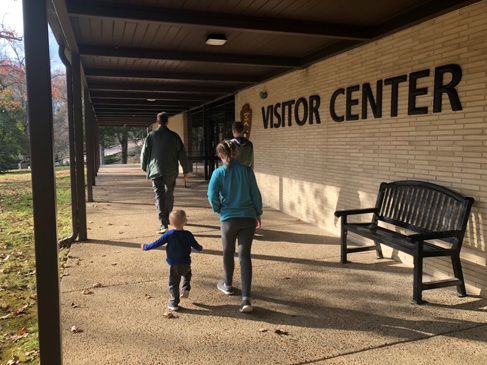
<point x="233" y="192"/>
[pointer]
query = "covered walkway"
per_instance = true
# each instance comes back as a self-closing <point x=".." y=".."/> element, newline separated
<point x="309" y="308"/>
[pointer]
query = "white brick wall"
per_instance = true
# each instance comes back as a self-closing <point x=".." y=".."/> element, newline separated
<point x="310" y="171"/>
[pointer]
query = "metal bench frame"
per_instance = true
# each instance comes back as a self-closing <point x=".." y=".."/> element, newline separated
<point x="419" y="213"/>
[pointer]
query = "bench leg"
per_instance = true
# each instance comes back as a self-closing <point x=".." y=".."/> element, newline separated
<point x="343" y="245"/>
<point x="457" y="270"/>
<point x="378" y="250"/>
<point x="418" y="275"/>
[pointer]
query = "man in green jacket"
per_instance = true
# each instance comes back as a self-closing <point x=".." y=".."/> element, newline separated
<point x="162" y="151"/>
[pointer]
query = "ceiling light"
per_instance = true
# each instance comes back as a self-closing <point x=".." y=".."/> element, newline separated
<point x="216" y="39"/>
<point x="151" y="100"/>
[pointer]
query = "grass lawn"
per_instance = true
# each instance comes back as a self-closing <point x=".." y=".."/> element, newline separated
<point x="18" y="308"/>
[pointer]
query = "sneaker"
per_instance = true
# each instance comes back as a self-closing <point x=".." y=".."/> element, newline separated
<point x="185" y="294"/>
<point x="228" y="290"/>
<point x="162" y="229"/>
<point x="246" y="307"/>
<point x="173" y="307"/>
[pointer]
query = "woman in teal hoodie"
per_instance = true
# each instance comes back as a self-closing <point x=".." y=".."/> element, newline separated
<point x="233" y="194"/>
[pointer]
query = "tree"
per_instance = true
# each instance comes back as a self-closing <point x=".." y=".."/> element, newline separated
<point x="13" y="81"/>
<point x="123" y="137"/>
<point x="13" y="140"/>
<point x="60" y="114"/>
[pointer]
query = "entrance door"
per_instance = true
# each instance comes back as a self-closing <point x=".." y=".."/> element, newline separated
<point x="209" y="126"/>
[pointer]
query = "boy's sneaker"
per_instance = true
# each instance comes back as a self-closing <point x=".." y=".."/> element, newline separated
<point x="228" y="290"/>
<point x="185" y="294"/>
<point x="162" y="229"/>
<point x="246" y="307"/>
<point x="173" y="307"/>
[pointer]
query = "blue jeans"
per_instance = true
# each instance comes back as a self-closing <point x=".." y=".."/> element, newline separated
<point x="164" y="196"/>
<point x="243" y="230"/>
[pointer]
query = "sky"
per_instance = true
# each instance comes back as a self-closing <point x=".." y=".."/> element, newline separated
<point x="11" y="15"/>
<point x="12" y="18"/>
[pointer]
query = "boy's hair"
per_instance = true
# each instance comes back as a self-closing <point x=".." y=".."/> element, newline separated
<point x="178" y="217"/>
<point x="238" y="127"/>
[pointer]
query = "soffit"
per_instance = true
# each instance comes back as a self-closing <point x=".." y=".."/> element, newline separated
<point x="134" y="50"/>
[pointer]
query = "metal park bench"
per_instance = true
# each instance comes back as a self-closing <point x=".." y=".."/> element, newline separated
<point x="416" y="217"/>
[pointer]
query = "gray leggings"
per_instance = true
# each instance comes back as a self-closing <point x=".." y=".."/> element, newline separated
<point x="242" y="229"/>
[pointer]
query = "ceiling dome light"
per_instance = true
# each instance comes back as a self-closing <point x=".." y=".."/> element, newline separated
<point x="151" y="100"/>
<point x="216" y="39"/>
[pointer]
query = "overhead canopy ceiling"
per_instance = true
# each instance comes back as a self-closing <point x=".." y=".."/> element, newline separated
<point x="133" y="51"/>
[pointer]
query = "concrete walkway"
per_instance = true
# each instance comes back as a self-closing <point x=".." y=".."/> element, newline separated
<point x="309" y="308"/>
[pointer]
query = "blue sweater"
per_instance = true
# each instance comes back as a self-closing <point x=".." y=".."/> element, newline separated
<point x="233" y="192"/>
<point x="179" y="243"/>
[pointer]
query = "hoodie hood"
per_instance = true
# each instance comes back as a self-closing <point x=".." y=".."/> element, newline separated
<point x="241" y="141"/>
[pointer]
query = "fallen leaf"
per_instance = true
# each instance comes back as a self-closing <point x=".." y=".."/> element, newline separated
<point x="281" y="332"/>
<point x="6" y="316"/>
<point x="22" y="331"/>
<point x="97" y="285"/>
<point x="86" y="291"/>
<point x="263" y="329"/>
<point x="21" y="310"/>
<point x="14" y="360"/>
<point x="169" y="314"/>
<point x="75" y="329"/>
<point x="147" y="296"/>
<point x="74" y="305"/>
<point x="114" y="264"/>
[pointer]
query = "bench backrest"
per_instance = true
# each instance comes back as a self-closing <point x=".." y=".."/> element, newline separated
<point x="423" y="207"/>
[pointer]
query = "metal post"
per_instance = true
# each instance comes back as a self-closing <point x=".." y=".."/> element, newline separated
<point x="39" y="98"/>
<point x="78" y="132"/>
<point x="90" y="159"/>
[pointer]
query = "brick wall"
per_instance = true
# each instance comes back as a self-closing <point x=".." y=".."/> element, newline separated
<point x="310" y="171"/>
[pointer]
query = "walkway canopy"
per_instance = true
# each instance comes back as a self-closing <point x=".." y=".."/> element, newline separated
<point x="128" y="60"/>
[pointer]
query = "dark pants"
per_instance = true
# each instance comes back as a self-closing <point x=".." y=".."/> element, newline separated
<point x="176" y="272"/>
<point x="243" y="230"/>
<point x="164" y="196"/>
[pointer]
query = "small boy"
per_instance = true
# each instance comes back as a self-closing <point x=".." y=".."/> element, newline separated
<point x="178" y="251"/>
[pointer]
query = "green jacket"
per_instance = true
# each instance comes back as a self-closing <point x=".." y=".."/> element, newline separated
<point x="162" y="151"/>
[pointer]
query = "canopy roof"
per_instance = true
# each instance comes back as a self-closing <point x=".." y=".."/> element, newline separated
<point x="140" y="57"/>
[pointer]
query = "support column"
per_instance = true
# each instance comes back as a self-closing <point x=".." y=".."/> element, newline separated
<point x="78" y="132"/>
<point x="38" y="75"/>
<point x="90" y="155"/>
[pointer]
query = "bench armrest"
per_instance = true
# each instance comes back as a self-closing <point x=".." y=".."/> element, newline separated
<point x="433" y="235"/>
<point x="340" y="213"/>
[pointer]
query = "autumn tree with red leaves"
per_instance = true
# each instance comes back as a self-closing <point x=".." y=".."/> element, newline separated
<point x="13" y="121"/>
<point x="13" y="99"/>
